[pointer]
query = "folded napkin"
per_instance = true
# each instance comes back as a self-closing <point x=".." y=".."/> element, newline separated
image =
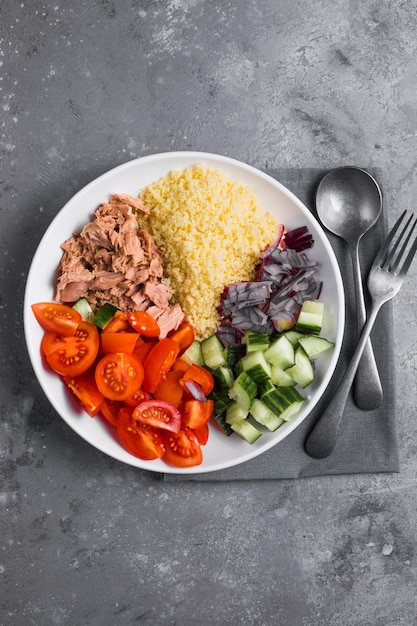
<point x="368" y="439"/>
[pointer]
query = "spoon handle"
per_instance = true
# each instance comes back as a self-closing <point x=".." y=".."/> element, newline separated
<point x="368" y="392"/>
<point x="322" y="439"/>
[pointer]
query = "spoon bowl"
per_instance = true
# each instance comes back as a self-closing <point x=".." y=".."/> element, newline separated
<point x="349" y="202"/>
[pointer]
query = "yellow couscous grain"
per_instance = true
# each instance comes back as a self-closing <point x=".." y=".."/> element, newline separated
<point x="211" y="231"/>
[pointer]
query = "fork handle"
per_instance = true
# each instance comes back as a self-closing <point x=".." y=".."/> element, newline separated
<point x="368" y="392"/>
<point x="322" y="439"/>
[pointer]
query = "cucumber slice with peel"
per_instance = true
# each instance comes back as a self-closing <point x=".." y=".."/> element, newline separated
<point x="284" y="401"/>
<point x="256" y="366"/>
<point x="194" y="354"/>
<point x="235" y="413"/>
<point x="313" y="345"/>
<point x="280" y="377"/>
<point x="264" y="416"/>
<point x="302" y="371"/>
<point x="243" y="391"/>
<point x="246" y="430"/>
<point x="310" y="318"/>
<point x="280" y="353"/>
<point x="213" y="352"/>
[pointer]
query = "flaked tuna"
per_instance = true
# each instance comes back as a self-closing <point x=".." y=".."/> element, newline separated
<point x="113" y="260"/>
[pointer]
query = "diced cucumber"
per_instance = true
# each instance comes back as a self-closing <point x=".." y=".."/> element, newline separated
<point x="244" y="390"/>
<point x="233" y="354"/>
<point x="213" y="352"/>
<point x="310" y="318"/>
<point x="104" y="315"/>
<point x="302" y="371"/>
<point x="293" y="336"/>
<point x="246" y="430"/>
<point x="284" y="401"/>
<point x="84" y="309"/>
<point x="221" y="401"/>
<point x="221" y="421"/>
<point x="194" y="354"/>
<point x="235" y="413"/>
<point x="256" y="366"/>
<point x="264" y="416"/>
<point x="256" y="341"/>
<point x="280" y="353"/>
<point x="223" y="377"/>
<point x="313" y="345"/>
<point x="280" y="378"/>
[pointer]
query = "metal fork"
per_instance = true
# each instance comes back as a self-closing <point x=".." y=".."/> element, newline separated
<point x="384" y="282"/>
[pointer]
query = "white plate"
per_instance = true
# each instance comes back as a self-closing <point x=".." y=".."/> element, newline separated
<point x="221" y="451"/>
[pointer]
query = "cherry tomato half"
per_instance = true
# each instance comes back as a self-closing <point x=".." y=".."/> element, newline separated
<point x="57" y="318"/>
<point x="170" y="389"/>
<point x="144" y="323"/>
<point x="141" y="440"/>
<point x="201" y="376"/>
<point x="202" y="434"/>
<point x="182" y="449"/>
<point x="196" y="413"/>
<point x="158" y="414"/>
<point x="84" y="388"/>
<point x="118" y="342"/>
<point x="118" y="375"/>
<point x="158" y="363"/>
<point x="76" y="354"/>
<point x="110" y="410"/>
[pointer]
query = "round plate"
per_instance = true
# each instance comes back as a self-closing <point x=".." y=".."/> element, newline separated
<point x="221" y="451"/>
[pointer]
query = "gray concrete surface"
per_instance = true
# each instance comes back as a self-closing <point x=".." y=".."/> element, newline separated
<point x="89" y="85"/>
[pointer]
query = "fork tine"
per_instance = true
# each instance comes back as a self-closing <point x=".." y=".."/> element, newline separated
<point x="409" y="257"/>
<point x="392" y="265"/>
<point x="381" y="256"/>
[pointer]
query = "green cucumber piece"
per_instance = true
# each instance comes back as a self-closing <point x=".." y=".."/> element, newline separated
<point x="244" y="390"/>
<point x="221" y="401"/>
<point x="281" y="378"/>
<point x="235" y="413"/>
<point x="246" y="430"/>
<point x="264" y="416"/>
<point x="302" y="371"/>
<point x="104" y="314"/>
<point x="284" y="401"/>
<point x="280" y="353"/>
<point x="213" y="352"/>
<point x="293" y="336"/>
<point x="255" y="341"/>
<point x="233" y="354"/>
<point x="84" y="309"/>
<point x="310" y="318"/>
<point x="194" y="354"/>
<point x="313" y="345"/>
<point x="223" y="377"/>
<point x="256" y="366"/>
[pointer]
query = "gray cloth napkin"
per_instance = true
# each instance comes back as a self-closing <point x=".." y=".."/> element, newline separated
<point x="368" y="439"/>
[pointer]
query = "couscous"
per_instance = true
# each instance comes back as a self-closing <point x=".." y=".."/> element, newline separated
<point x="211" y="230"/>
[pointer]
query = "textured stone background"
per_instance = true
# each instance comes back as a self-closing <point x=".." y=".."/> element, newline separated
<point x="85" y="86"/>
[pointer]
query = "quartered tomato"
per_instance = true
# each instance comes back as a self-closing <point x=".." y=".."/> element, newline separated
<point x="202" y="434"/>
<point x="159" y="414"/>
<point x="170" y="389"/>
<point x="158" y="363"/>
<point x="201" y="376"/>
<point x="139" y="396"/>
<point x="182" y="449"/>
<point x="57" y="318"/>
<point x="118" y="342"/>
<point x="184" y="335"/>
<point x="84" y="388"/>
<point x="144" y="323"/>
<point x="142" y="349"/>
<point x="73" y="355"/>
<point x="196" y="413"/>
<point x="141" y="440"/>
<point x="118" y="375"/>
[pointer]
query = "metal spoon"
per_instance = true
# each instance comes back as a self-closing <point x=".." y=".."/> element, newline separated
<point x="349" y="203"/>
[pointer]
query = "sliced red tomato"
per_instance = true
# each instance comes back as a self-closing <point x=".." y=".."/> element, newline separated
<point x="84" y="388"/>
<point x="196" y="413"/>
<point x="118" y="375"/>
<point x="142" y="349"/>
<point x="51" y="342"/>
<point x="202" y="434"/>
<point x="57" y="318"/>
<point x="75" y="354"/>
<point x="181" y="365"/>
<point x="184" y="335"/>
<point x="182" y="449"/>
<point x="170" y="389"/>
<point x="158" y="363"/>
<point x="158" y="414"/>
<point x="141" y="440"/>
<point x="110" y="410"/>
<point x="139" y="396"/>
<point x="118" y="323"/>
<point x="144" y="323"/>
<point x="118" y="342"/>
<point x="201" y="376"/>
